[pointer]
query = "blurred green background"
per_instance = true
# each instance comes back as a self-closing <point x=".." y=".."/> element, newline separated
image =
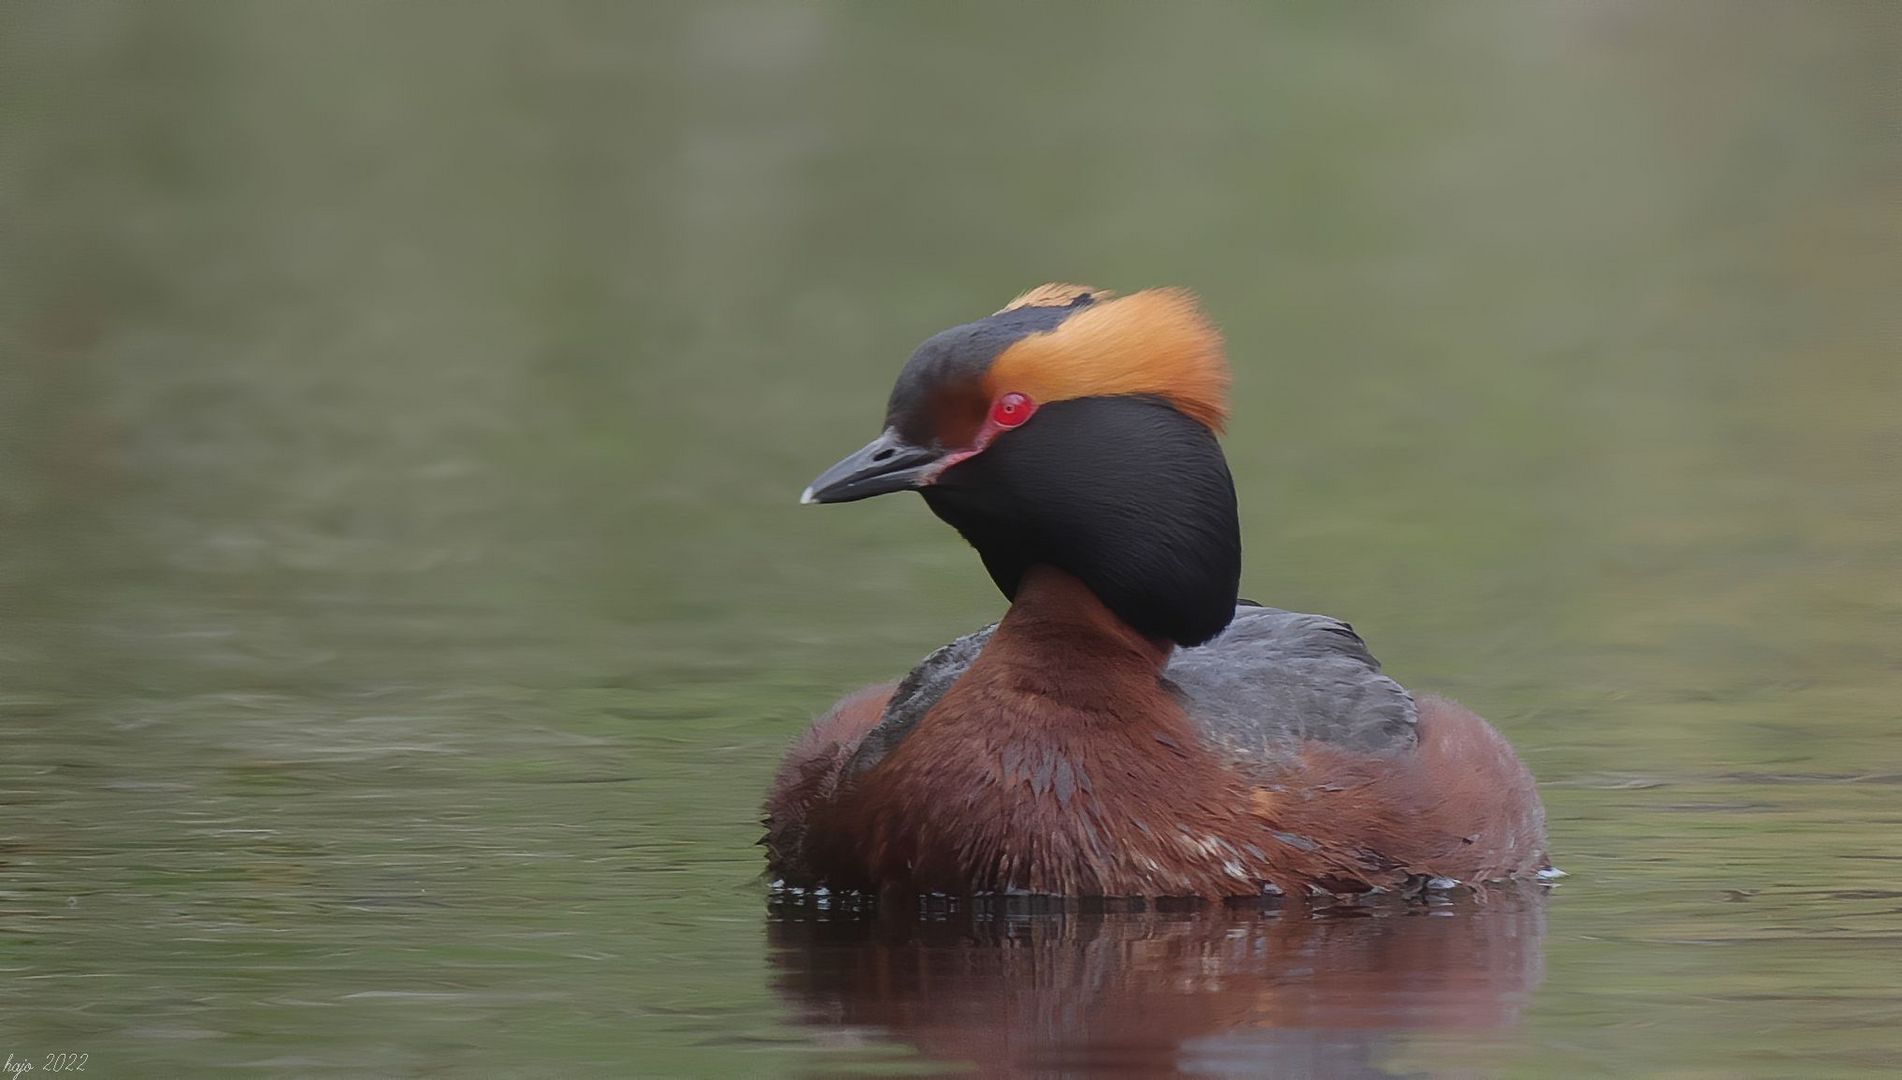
<point x="403" y="598"/>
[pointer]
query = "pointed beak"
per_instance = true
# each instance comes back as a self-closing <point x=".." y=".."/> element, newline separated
<point x="886" y="464"/>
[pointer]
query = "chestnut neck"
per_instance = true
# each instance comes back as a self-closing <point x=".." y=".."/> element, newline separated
<point x="1055" y="619"/>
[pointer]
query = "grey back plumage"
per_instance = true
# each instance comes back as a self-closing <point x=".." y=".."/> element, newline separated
<point x="914" y="697"/>
<point x="1270" y="682"/>
<point x="1276" y="679"/>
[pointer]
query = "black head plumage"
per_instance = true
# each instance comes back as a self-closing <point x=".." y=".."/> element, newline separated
<point x="1126" y="493"/>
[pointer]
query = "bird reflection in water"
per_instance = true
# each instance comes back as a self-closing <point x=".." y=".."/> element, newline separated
<point x="1025" y="987"/>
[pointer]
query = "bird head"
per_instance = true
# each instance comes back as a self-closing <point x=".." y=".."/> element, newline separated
<point x="1077" y="429"/>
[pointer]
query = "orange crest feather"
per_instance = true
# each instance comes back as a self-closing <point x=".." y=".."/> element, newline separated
<point x="1157" y="341"/>
<point x="1055" y="294"/>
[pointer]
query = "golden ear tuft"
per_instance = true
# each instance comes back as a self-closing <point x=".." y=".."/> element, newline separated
<point x="1157" y="342"/>
<point x="1056" y="294"/>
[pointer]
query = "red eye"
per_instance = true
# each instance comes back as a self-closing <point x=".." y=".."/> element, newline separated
<point x="1012" y="409"/>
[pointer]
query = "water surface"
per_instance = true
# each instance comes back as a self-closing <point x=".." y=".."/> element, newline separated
<point x="403" y="599"/>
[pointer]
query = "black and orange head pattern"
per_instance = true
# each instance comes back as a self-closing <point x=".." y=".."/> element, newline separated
<point x="1059" y="342"/>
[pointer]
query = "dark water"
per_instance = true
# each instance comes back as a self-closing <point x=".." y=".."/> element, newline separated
<point x="403" y="598"/>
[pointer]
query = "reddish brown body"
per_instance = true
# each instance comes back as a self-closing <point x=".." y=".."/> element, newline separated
<point x="1061" y="763"/>
<point x="1071" y="438"/>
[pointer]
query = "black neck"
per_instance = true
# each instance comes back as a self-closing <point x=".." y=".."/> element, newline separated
<point x="1125" y="493"/>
